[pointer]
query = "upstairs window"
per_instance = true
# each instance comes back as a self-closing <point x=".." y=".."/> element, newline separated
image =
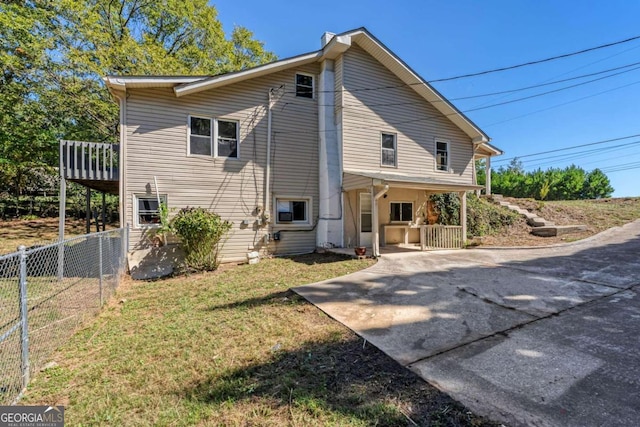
<point x="389" y="150"/>
<point x="203" y="131"/>
<point x="200" y="133"/>
<point x="304" y="85"/>
<point x="442" y="155"/>
<point x="227" y="139"/>
<point x="148" y="210"/>
<point x="401" y="211"/>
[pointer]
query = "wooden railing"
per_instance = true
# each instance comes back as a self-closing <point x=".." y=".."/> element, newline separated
<point x="94" y="161"/>
<point x="441" y="237"/>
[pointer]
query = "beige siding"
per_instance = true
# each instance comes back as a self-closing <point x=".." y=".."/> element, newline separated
<point x="397" y="109"/>
<point x="350" y="181"/>
<point x="157" y="146"/>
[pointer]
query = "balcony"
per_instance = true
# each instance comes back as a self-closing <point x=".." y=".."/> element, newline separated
<point x="92" y="164"/>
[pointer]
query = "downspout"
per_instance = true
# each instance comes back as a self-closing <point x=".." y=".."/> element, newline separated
<point x="121" y="158"/>
<point x="376" y="227"/>
<point x="267" y="171"/>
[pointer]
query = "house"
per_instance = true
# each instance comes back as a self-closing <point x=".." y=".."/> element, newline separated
<point x="339" y="147"/>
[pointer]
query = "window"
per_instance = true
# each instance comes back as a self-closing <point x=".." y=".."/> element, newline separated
<point x="389" y="147"/>
<point x="293" y="211"/>
<point x="147" y="210"/>
<point x="442" y="155"/>
<point x="401" y="211"/>
<point x="200" y="136"/>
<point x="304" y="85"/>
<point x="203" y="131"/>
<point x="227" y="139"/>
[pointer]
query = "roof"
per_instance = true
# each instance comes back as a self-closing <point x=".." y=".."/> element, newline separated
<point x="183" y="85"/>
<point x="411" y="181"/>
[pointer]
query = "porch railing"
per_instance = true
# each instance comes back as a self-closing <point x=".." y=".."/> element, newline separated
<point x="441" y="237"/>
<point x="89" y="160"/>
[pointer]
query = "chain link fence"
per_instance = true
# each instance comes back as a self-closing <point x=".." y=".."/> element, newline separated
<point x="46" y="292"/>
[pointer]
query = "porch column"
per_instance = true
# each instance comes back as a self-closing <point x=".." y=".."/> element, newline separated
<point x="463" y="215"/>
<point x="487" y="172"/>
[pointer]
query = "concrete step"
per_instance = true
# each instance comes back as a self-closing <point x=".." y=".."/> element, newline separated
<point x="557" y="230"/>
<point x="503" y="203"/>
<point x="539" y="222"/>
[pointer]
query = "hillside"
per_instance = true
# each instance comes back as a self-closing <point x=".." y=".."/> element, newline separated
<point x="597" y="215"/>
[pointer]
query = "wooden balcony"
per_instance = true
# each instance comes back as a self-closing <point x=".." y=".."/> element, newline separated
<point x="92" y="164"/>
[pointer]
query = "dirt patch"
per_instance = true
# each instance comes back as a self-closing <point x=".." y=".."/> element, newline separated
<point x="597" y="215"/>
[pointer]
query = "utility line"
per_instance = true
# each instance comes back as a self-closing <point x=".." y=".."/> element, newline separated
<point x="553" y="58"/>
<point x="569" y="148"/>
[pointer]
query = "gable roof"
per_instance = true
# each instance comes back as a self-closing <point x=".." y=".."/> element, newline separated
<point x="338" y="44"/>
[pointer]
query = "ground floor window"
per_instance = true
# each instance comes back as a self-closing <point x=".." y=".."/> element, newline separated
<point x="293" y="210"/>
<point x="147" y="210"/>
<point x="401" y="211"/>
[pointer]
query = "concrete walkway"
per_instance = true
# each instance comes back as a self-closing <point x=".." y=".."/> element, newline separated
<point x="536" y="336"/>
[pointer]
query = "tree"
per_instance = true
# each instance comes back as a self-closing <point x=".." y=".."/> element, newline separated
<point x="569" y="183"/>
<point x="55" y="53"/>
<point x="596" y="185"/>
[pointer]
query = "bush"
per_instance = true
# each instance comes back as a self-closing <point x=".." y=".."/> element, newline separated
<point x="201" y="233"/>
<point x="483" y="217"/>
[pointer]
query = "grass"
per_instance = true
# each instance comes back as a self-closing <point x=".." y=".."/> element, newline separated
<point x="36" y="231"/>
<point x="599" y="214"/>
<point x="235" y="347"/>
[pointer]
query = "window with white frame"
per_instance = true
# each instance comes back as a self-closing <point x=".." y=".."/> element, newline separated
<point x="147" y="210"/>
<point x="227" y="139"/>
<point x="389" y="148"/>
<point x="442" y="155"/>
<point x="401" y="211"/>
<point x="203" y="131"/>
<point x="304" y="85"/>
<point x="200" y="133"/>
<point x="291" y="210"/>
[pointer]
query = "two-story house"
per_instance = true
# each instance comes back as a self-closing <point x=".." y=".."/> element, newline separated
<point x="339" y="147"/>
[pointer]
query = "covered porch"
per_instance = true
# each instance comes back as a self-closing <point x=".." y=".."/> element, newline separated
<point x="384" y="210"/>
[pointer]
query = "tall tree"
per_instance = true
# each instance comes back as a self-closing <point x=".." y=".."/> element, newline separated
<point x="54" y="54"/>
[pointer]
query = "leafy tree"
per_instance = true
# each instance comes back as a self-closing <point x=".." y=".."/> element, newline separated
<point x="596" y="185"/>
<point x="569" y="183"/>
<point x="54" y="54"/>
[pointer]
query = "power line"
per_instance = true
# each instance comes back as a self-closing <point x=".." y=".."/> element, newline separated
<point x="545" y="84"/>
<point x="487" y="71"/>
<point x="561" y="104"/>
<point x="579" y="155"/>
<point x="570" y="148"/>
<point x="540" y="61"/>
<point x="547" y="93"/>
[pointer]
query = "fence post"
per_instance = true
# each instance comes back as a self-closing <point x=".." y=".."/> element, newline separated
<point x="100" y="266"/>
<point x="23" y="316"/>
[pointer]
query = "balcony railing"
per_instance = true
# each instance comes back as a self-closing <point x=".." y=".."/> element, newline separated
<point x="91" y="161"/>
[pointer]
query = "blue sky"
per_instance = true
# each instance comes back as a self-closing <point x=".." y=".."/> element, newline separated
<point x="440" y="39"/>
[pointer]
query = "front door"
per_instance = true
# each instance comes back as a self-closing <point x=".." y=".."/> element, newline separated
<point x="366" y="219"/>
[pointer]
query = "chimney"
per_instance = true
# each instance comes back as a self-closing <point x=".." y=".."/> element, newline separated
<point x="326" y="38"/>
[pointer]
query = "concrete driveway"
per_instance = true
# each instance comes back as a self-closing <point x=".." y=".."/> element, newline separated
<point x="536" y="336"/>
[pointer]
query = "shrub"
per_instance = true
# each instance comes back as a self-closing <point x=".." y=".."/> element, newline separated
<point x="483" y="217"/>
<point x="201" y="233"/>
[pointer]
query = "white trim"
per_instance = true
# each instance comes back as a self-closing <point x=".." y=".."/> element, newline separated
<point x="313" y="84"/>
<point x="401" y="221"/>
<point x="435" y="155"/>
<point x="261" y="70"/>
<point x="395" y="149"/>
<point x="211" y="125"/>
<point x="136" y="218"/>
<point x="308" y="224"/>
<point x="215" y="138"/>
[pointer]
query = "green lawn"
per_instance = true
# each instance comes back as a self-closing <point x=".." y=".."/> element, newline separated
<point x="234" y="347"/>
